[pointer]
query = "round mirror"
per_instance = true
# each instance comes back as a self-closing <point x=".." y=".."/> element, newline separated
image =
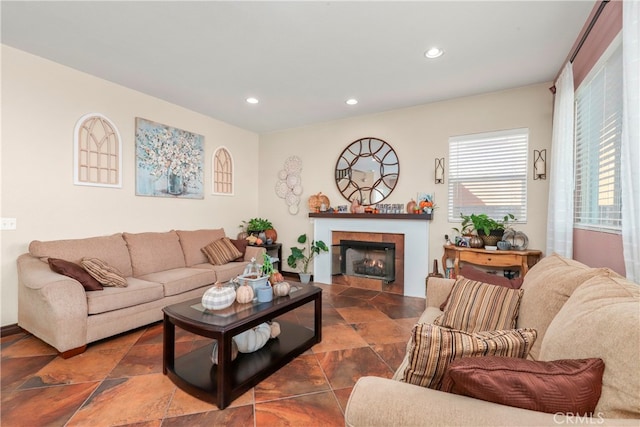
<point x="368" y="171"/>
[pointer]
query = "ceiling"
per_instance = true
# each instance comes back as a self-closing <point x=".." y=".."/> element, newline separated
<point x="301" y="59"/>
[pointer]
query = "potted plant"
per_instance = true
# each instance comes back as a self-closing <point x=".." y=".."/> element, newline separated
<point x="261" y="228"/>
<point x="300" y="260"/>
<point x="489" y="229"/>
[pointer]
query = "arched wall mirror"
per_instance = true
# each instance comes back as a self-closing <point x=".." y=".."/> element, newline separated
<point x="367" y="170"/>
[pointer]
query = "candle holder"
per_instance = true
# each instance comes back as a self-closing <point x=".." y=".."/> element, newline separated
<point x="539" y="164"/>
<point x="439" y="171"/>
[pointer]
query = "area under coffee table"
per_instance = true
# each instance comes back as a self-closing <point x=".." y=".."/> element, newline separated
<point x="195" y="372"/>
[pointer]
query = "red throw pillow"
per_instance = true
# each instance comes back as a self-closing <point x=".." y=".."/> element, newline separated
<point x="472" y="273"/>
<point x="566" y="386"/>
<point x="241" y="245"/>
<point x="76" y="272"/>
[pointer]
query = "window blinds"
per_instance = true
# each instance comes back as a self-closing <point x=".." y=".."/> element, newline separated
<point x="488" y="174"/>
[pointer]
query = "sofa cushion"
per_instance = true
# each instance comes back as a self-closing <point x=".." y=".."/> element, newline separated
<point x="104" y="273"/>
<point x="547" y="286"/>
<point x="601" y="319"/>
<point x="558" y="386"/>
<point x="111" y="249"/>
<point x="432" y="347"/>
<point x="73" y="270"/>
<point x="152" y="252"/>
<point x="179" y="280"/>
<point x="192" y="241"/>
<point x="221" y="251"/>
<point x="137" y="292"/>
<point x="476" y="306"/>
<point x="226" y="272"/>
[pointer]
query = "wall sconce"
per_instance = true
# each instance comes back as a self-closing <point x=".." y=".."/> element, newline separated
<point x="539" y="164"/>
<point x="440" y="171"/>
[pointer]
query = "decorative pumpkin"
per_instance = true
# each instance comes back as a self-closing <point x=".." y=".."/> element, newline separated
<point x="244" y="294"/>
<point x="411" y="206"/>
<point x="218" y="297"/>
<point x="276" y="277"/>
<point x="271" y="234"/>
<point x="214" y="351"/>
<point x="281" y="289"/>
<point x="253" y="339"/>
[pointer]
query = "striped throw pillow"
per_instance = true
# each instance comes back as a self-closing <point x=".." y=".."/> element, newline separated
<point x="105" y="274"/>
<point x="221" y="251"/>
<point x="431" y="349"/>
<point x="476" y="306"/>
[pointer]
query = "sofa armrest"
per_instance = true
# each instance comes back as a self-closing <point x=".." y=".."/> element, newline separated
<point x="254" y="252"/>
<point x="438" y="290"/>
<point x="378" y="401"/>
<point x="51" y="306"/>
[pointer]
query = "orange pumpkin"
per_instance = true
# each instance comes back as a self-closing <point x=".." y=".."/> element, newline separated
<point x="276" y="277"/>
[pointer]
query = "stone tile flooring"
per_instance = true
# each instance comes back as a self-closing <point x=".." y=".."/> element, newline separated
<point x="119" y="381"/>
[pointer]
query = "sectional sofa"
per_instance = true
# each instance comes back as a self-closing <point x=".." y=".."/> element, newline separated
<point x="160" y="268"/>
<point x="578" y="313"/>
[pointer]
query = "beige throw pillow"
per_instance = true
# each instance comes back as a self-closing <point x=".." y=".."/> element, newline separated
<point x="476" y="306"/>
<point x="221" y="251"/>
<point x="431" y="349"/>
<point x="104" y="273"/>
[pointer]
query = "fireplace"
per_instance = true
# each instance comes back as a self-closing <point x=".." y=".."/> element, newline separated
<point x="373" y="260"/>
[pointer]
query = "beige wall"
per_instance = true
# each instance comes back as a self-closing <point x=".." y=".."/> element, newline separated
<point x="419" y="135"/>
<point x="41" y="102"/>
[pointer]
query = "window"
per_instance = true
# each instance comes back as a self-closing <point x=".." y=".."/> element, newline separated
<point x="488" y="174"/>
<point x="222" y="172"/>
<point x="97" y="152"/>
<point x="598" y="137"/>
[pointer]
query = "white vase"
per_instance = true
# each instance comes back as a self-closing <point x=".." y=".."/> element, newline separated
<point x="305" y="277"/>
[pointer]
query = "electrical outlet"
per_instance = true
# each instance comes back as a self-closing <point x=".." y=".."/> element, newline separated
<point x="8" y="224"/>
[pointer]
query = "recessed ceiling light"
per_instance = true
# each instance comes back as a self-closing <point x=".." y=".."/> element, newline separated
<point x="434" y="52"/>
<point x="351" y="101"/>
<point x="252" y="100"/>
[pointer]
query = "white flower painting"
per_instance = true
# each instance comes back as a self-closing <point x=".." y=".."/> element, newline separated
<point x="169" y="161"/>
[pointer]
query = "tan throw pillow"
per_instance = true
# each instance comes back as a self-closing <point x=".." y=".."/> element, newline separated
<point x="221" y="251"/>
<point x="104" y="273"/>
<point x="431" y="349"/>
<point x="570" y="385"/>
<point x="476" y="306"/>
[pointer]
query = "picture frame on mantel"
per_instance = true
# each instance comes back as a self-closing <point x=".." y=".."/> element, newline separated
<point x="169" y="161"/>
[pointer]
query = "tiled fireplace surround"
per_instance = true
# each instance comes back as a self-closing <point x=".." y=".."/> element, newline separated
<point x="411" y="269"/>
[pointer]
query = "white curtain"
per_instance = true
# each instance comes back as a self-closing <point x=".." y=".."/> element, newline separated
<point x="630" y="163"/>
<point x="561" y="179"/>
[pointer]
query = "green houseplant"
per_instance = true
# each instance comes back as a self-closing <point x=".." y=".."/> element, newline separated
<point x="300" y="259"/>
<point x="489" y="229"/>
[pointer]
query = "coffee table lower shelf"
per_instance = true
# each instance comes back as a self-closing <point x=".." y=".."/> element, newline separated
<point x="197" y="375"/>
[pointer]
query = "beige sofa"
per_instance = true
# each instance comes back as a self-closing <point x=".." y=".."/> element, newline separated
<point x="160" y="269"/>
<point x="579" y="312"/>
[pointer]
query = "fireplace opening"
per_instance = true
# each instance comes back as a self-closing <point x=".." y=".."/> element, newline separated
<point x="374" y="260"/>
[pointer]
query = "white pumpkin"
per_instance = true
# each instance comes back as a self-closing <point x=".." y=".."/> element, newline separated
<point x="244" y="294"/>
<point x="214" y="351"/>
<point x="281" y="289"/>
<point x="253" y="339"/>
<point x="218" y="297"/>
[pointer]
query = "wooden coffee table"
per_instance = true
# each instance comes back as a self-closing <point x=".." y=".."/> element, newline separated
<point x="195" y="372"/>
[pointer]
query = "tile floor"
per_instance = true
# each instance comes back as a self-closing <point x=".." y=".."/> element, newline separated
<point x="119" y="381"/>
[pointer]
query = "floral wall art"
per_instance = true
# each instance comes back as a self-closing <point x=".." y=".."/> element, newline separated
<point x="169" y="161"/>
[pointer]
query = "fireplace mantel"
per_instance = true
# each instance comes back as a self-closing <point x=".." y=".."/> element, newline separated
<point x="412" y="217"/>
<point x="414" y="227"/>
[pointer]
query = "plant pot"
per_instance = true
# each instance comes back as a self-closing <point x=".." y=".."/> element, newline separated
<point x="305" y="277"/>
<point x="493" y="237"/>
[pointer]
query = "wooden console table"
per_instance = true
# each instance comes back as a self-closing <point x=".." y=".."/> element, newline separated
<point x="522" y="259"/>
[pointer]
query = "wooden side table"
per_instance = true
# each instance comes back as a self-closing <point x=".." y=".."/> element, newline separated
<point x="521" y="259"/>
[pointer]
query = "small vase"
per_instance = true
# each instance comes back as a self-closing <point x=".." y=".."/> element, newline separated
<point x="174" y="184"/>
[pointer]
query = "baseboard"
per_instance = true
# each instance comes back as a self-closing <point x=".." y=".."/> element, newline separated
<point x="10" y="330"/>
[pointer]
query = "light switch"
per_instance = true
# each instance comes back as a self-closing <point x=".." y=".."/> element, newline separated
<point x="8" y="223"/>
